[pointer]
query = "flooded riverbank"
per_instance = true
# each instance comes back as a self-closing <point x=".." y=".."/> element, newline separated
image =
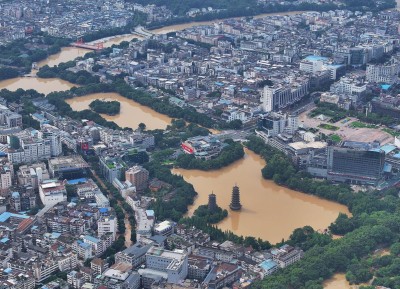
<point x="269" y="211"/>
<point x="42" y="85"/>
<point x="178" y="27"/>
<point x="131" y="114"/>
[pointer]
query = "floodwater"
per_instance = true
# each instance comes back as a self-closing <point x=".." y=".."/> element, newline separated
<point x="42" y="85"/>
<point x="131" y="114"/>
<point x="128" y="231"/>
<point x="178" y="27"/>
<point x="338" y="281"/>
<point x="66" y="54"/>
<point x="70" y="53"/>
<point x="269" y="211"/>
<point x="109" y="41"/>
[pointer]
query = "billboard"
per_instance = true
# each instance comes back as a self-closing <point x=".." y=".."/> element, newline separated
<point x="188" y="149"/>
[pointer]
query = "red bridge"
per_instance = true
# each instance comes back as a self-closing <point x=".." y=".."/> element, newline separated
<point x="81" y="44"/>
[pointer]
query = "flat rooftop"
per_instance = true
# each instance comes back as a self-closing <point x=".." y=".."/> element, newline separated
<point x="303" y="145"/>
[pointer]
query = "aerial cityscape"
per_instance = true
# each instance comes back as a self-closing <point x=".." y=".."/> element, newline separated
<point x="200" y="144"/>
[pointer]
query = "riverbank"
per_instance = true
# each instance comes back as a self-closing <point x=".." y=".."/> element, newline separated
<point x="271" y="9"/>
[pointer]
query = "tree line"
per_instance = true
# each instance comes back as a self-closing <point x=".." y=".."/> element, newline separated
<point x="374" y="224"/>
<point x="229" y="154"/>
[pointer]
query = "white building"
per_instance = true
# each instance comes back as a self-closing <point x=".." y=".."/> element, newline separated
<point x="286" y="255"/>
<point x="348" y="86"/>
<point x="9" y="119"/>
<point x="99" y="245"/>
<point x="43" y="269"/>
<point x="311" y="66"/>
<point x="6" y="176"/>
<point x="53" y="135"/>
<point x="274" y="98"/>
<point x="32" y="175"/>
<point x="234" y="113"/>
<point x="107" y="224"/>
<point x="174" y="263"/>
<point x="101" y="200"/>
<point x="84" y="250"/>
<point x="383" y="73"/>
<point x="75" y="279"/>
<point x="165" y="228"/>
<point x="277" y="123"/>
<point x="52" y="192"/>
<point x="31" y="147"/>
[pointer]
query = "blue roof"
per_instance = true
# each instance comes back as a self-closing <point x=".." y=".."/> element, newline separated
<point x="15" y="195"/>
<point x="385" y="86"/>
<point x="150" y="213"/>
<point x="316" y="58"/>
<point x="103" y="210"/>
<point x="224" y="101"/>
<point x="6" y="215"/>
<point x="268" y="264"/>
<point x="219" y="83"/>
<point x="91" y="239"/>
<point x="77" y="181"/>
<point x="335" y="65"/>
<point x="4" y="240"/>
<point x="7" y="270"/>
<point x="39" y="116"/>
<point x="387" y="168"/>
<point x="55" y="235"/>
<point x="84" y="245"/>
<point x="388" y="148"/>
<point x="397" y="156"/>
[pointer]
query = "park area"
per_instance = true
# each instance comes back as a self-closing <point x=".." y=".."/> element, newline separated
<point x="348" y="128"/>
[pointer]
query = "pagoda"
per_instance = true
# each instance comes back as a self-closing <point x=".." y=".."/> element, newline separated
<point x="235" y="201"/>
<point x="212" y="202"/>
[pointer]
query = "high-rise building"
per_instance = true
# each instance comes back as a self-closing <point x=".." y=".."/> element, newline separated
<point x="32" y="175"/>
<point x="279" y="96"/>
<point x="235" y="201"/>
<point x="27" y="147"/>
<point x="383" y="73"/>
<point x="52" y="134"/>
<point x="111" y="168"/>
<point x="357" y="56"/>
<point x="107" y="224"/>
<point x="6" y="175"/>
<point x="276" y="123"/>
<point x="355" y="162"/>
<point x="9" y="119"/>
<point x="212" y="202"/>
<point x="138" y="176"/>
<point x="15" y="201"/>
<point x="98" y="266"/>
<point x="349" y="86"/>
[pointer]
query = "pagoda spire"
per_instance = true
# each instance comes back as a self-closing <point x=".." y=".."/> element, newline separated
<point x="212" y="202"/>
<point x="235" y="201"/>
